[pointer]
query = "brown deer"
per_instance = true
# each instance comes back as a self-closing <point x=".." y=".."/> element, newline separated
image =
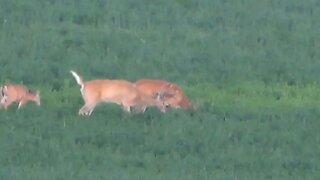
<point x="11" y="93"/>
<point x="169" y="92"/>
<point x="121" y="92"/>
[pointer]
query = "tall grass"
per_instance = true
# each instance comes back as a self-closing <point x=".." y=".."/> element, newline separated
<point x="251" y="67"/>
<point x="189" y="42"/>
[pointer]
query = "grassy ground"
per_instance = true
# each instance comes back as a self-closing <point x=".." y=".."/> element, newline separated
<point x="225" y="138"/>
<point x="251" y="67"/>
<point x="259" y="97"/>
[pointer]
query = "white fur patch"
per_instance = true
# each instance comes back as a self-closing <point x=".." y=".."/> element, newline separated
<point x="78" y="79"/>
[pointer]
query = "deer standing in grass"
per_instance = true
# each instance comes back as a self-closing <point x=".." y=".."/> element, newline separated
<point x="11" y="93"/>
<point x="120" y="92"/>
<point x="170" y="92"/>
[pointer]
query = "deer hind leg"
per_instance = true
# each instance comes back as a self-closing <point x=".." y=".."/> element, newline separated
<point x="86" y="110"/>
<point x="88" y="107"/>
<point x="162" y="105"/>
<point x="5" y="106"/>
<point x="126" y="108"/>
<point x="140" y="109"/>
<point x="1" y="93"/>
<point x="2" y="101"/>
<point x="82" y="110"/>
<point x="21" y="103"/>
<point x="5" y="102"/>
<point x="163" y="109"/>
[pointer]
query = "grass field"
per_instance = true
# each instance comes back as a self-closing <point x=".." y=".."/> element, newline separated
<point x="251" y="67"/>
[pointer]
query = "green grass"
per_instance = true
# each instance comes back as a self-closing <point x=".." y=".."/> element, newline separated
<point x="219" y="140"/>
<point x="258" y="96"/>
<point x="251" y="68"/>
<point x="159" y="147"/>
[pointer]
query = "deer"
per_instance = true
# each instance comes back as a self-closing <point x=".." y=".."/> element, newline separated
<point x="169" y="92"/>
<point x="18" y="93"/>
<point x="117" y="91"/>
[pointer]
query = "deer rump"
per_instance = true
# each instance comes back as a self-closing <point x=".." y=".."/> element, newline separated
<point x="171" y="93"/>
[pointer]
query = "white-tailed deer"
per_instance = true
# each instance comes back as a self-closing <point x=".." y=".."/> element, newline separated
<point x="169" y="92"/>
<point x="11" y="93"/>
<point x="120" y="92"/>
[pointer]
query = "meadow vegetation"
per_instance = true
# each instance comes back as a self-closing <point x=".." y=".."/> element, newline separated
<point x="251" y="67"/>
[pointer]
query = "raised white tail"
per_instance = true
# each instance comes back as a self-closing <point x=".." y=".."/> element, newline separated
<point x="78" y="79"/>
